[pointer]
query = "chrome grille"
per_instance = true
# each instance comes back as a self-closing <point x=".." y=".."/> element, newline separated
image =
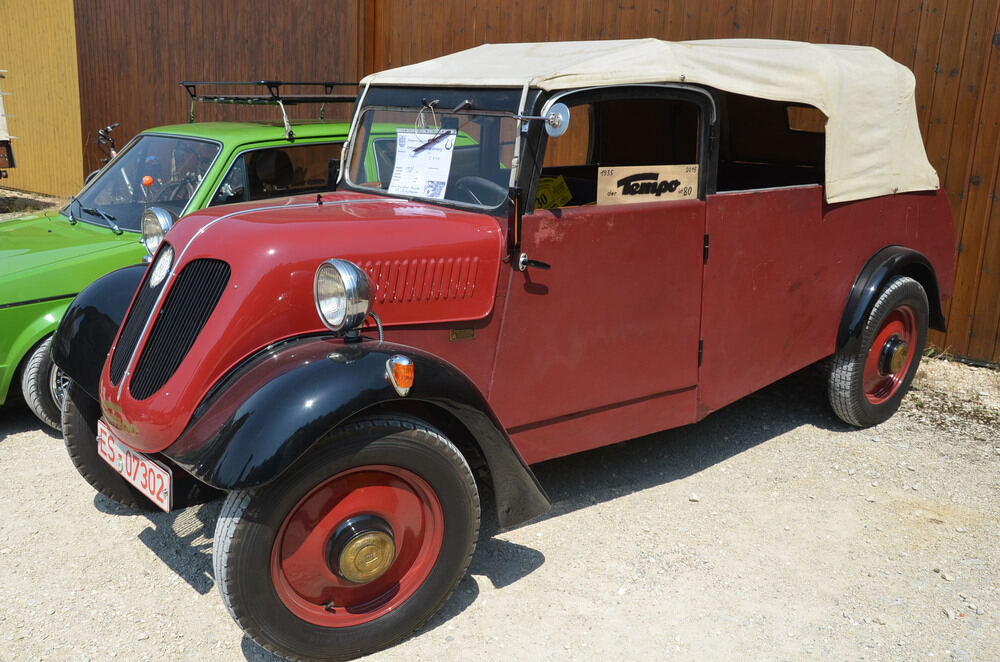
<point x="186" y="309"/>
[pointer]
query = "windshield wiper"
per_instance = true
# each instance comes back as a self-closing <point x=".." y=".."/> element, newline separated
<point x="436" y="139"/>
<point x="95" y="211"/>
<point x="442" y="132"/>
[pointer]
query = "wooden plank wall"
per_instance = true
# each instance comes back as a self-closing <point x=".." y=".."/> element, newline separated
<point x="953" y="47"/>
<point x="38" y="50"/>
<point x="133" y="54"/>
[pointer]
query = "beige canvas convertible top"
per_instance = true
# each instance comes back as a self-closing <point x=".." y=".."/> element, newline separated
<point x="873" y="142"/>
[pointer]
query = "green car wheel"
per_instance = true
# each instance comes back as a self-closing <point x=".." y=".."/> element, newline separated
<point x="43" y="385"/>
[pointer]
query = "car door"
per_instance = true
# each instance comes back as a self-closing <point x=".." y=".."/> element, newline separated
<point x="604" y="344"/>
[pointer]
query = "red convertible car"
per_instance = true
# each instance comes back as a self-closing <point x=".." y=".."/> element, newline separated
<point x="532" y="250"/>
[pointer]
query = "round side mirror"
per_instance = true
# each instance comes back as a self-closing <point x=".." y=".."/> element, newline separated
<point x="556" y="120"/>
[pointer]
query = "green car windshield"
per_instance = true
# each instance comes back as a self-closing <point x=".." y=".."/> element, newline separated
<point x="457" y="157"/>
<point x="154" y="169"/>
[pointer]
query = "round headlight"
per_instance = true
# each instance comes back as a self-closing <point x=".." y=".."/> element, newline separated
<point x="161" y="267"/>
<point x="343" y="295"/>
<point x="155" y="223"/>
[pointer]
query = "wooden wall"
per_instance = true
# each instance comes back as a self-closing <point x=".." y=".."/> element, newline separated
<point x="953" y="47"/>
<point x="132" y="55"/>
<point x="38" y="50"/>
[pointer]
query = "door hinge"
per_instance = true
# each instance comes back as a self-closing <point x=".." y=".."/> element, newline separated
<point x="705" y="253"/>
<point x="701" y="349"/>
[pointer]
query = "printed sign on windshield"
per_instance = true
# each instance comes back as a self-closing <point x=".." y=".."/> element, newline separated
<point x="627" y="184"/>
<point x="423" y="161"/>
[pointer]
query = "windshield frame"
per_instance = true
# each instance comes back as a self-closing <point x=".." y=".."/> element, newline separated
<point x="370" y="133"/>
<point x="500" y="102"/>
<point x="100" y="222"/>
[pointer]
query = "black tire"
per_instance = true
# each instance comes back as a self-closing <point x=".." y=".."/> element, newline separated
<point x="42" y="384"/>
<point x="865" y="388"/>
<point x="79" y="425"/>
<point x="252" y="532"/>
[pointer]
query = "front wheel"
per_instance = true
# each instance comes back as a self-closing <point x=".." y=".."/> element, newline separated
<point x="866" y="386"/>
<point x="43" y="384"/>
<point x="353" y="548"/>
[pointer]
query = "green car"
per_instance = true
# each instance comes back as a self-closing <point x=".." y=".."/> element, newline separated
<point x="47" y="258"/>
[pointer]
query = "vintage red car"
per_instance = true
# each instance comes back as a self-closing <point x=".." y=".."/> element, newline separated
<point x="564" y="245"/>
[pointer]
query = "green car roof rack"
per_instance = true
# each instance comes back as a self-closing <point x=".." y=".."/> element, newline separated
<point x="275" y="95"/>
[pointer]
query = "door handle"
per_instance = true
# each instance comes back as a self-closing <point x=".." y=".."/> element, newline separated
<point x="524" y="262"/>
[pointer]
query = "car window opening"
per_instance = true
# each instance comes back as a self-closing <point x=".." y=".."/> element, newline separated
<point x="606" y="135"/>
<point x="769" y="144"/>
<point x="287" y="170"/>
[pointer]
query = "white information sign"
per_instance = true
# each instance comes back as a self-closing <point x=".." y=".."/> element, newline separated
<point x="423" y="161"/>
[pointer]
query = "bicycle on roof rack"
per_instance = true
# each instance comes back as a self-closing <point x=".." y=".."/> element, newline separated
<point x="275" y="96"/>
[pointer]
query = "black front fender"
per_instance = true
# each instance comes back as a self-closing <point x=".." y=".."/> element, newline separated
<point x="87" y="330"/>
<point x="270" y="411"/>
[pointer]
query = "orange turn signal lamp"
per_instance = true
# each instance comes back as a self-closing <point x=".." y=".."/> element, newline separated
<point x="400" y="372"/>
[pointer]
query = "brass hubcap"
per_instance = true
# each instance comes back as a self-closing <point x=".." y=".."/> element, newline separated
<point x="362" y="549"/>
<point x="366" y="557"/>
<point x="894" y="355"/>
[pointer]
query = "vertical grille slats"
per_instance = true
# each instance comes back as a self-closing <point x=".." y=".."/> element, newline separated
<point x="186" y="309"/>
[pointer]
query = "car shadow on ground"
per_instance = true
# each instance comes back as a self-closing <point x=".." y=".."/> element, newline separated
<point x="183" y="539"/>
<point x="17" y="418"/>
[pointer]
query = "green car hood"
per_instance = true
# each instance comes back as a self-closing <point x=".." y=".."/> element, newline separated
<point x="43" y="256"/>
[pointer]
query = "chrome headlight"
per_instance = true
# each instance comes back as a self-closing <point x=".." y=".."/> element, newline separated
<point x="343" y="295"/>
<point x="155" y="223"/>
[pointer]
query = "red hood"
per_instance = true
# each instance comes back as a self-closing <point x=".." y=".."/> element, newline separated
<point x="426" y="264"/>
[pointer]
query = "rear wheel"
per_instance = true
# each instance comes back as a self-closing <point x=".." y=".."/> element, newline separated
<point x="353" y="548"/>
<point x="43" y="384"/>
<point x="866" y="386"/>
<point x="79" y="425"/>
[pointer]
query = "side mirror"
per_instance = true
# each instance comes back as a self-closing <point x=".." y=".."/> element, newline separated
<point x="556" y="119"/>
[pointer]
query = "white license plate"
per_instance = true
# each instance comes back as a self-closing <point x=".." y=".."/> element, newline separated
<point x="148" y="476"/>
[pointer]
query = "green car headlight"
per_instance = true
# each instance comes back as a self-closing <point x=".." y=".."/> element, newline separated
<point x="155" y="223"/>
<point x="343" y="295"/>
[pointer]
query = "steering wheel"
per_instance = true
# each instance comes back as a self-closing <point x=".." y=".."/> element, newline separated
<point x="175" y="190"/>
<point x="480" y="190"/>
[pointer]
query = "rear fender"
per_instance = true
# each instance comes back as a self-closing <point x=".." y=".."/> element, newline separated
<point x="89" y="326"/>
<point x="265" y="415"/>
<point x="888" y="263"/>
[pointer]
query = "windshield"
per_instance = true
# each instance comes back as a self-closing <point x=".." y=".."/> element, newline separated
<point x="461" y="157"/>
<point x="161" y="170"/>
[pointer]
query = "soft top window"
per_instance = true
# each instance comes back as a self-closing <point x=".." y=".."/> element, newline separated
<point x="767" y="144"/>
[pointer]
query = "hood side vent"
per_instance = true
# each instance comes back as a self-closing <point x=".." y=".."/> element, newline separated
<point x="423" y="280"/>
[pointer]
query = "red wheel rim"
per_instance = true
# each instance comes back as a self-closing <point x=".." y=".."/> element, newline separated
<point x="880" y="382"/>
<point x="306" y="584"/>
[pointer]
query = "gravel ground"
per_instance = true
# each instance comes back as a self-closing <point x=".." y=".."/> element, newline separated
<point x="18" y="203"/>
<point x="768" y="531"/>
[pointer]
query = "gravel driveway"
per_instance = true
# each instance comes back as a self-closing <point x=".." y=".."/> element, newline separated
<point x="768" y="531"/>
